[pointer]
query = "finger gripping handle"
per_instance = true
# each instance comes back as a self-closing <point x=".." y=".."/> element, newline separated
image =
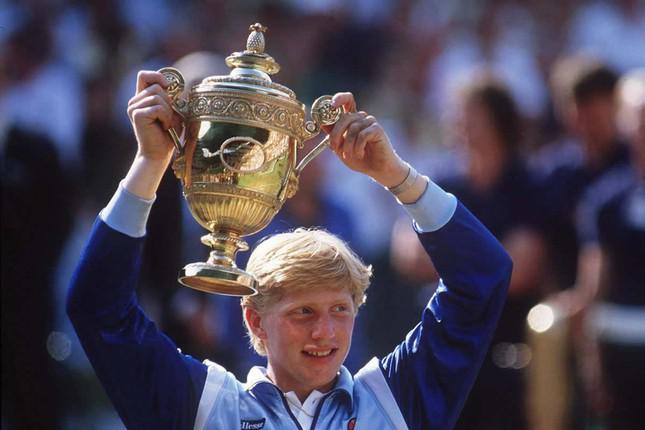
<point x="174" y="90"/>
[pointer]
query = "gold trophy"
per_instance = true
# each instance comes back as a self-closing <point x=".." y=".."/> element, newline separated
<point x="236" y="157"/>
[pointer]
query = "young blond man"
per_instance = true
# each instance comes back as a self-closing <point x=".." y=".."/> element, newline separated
<point x="310" y="288"/>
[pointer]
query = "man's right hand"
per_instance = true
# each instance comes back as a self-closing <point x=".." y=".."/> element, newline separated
<point x="151" y="115"/>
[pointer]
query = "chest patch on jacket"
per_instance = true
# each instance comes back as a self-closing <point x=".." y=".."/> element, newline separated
<point x="252" y="424"/>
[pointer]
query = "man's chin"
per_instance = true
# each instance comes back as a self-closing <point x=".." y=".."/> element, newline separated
<point x="322" y="379"/>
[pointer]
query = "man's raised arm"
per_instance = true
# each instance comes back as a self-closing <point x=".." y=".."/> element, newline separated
<point x="432" y="371"/>
<point x="430" y="374"/>
<point x="151" y="384"/>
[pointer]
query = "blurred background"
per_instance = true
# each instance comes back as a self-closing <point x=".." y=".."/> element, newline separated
<point x="531" y="112"/>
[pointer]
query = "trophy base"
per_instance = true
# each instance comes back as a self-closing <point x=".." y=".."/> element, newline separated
<point x="216" y="279"/>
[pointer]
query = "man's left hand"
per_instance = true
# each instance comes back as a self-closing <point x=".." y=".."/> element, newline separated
<point x="361" y="144"/>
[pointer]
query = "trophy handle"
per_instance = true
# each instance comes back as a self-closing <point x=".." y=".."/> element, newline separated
<point x="312" y="154"/>
<point x="322" y="113"/>
<point x="179" y="105"/>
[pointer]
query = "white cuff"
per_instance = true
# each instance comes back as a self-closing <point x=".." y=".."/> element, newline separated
<point x="433" y="210"/>
<point x="127" y="213"/>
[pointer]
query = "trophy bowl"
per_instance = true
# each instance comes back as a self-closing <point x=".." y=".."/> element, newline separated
<point x="236" y="157"/>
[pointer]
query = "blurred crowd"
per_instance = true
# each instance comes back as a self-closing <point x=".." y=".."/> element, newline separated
<point x="531" y="112"/>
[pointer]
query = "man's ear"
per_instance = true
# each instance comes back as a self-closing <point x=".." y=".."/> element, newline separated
<point x="253" y="321"/>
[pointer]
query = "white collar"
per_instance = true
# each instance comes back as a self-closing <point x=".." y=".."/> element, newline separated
<point x="310" y="403"/>
<point x="303" y="412"/>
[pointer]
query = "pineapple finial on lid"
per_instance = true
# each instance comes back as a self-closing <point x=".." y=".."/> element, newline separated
<point x="255" y="41"/>
<point x="253" y="58"/>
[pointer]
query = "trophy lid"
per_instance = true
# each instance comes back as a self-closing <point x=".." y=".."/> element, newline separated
<point x="251" y="69"/>
<point x="247" y="96"/>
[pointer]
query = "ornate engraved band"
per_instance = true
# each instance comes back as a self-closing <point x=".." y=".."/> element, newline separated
<point x="212" y="238"/>
<point x="254" y="109"/>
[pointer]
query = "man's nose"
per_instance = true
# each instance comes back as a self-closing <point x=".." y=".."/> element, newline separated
<point x="323" y="328"/>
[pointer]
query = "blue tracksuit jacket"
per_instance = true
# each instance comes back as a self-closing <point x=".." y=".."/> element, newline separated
<point x="422" y="384"/>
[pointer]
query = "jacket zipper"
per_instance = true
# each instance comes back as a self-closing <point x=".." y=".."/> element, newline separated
<point x="286" y="406"/>
<point x="318" y="409"/>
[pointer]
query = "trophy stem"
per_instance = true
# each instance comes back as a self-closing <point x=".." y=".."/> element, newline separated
<point x="220" y="274"/>
<point x="225" y="246"/>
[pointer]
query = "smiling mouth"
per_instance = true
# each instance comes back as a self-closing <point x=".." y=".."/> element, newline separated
<point x="320" y="354"/>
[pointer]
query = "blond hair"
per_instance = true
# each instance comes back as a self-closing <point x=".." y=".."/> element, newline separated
<point x="301" y="259"/>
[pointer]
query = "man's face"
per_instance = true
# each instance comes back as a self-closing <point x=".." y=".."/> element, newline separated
<point x="307" y="335"/>
<point x="595" y="122"/>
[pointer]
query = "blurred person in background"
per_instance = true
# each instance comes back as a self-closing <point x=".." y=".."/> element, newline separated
<point x="611" y="278"/>
<point x="501" y="192"/>
<point x="496" y="35"/>
<point x="583" y="91"/>
<point x="41" y="111"/>
<point x="584" y="97"/>
<point x="41" y="92"/>
<point x="37" y="216"/>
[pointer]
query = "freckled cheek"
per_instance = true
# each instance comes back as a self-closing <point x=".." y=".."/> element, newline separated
<point x="344" y="330"/>
<point x="295" y="335"/>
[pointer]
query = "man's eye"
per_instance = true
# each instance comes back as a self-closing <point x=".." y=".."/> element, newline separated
<point x="303" y="311"/>
<point x="339" y="308"/>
